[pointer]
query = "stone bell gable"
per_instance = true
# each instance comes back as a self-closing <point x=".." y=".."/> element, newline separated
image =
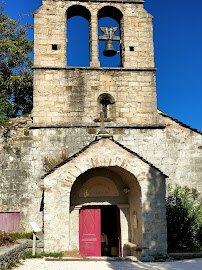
<point x="75" y="95"/>
<point x="136" y="186"/>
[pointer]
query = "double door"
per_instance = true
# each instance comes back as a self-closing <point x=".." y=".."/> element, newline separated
<point x="92" y="221"/>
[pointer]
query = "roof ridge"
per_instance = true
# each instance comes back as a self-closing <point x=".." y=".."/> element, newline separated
<point x="140" y="157"/>
<point x="179" y="122"/>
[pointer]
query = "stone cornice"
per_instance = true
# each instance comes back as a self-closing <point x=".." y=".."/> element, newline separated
<point x="101" y="1"/>
<point x="95" y="68"/>
<point x="69" y="125"/>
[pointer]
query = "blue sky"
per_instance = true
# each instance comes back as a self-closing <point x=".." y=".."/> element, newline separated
<point x="178" y="53"/>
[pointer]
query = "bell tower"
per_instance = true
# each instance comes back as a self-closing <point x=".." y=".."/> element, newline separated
<point x="76" y="95"/>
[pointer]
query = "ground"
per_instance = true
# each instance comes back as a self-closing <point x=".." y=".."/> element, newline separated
<point x="42" y="264"/>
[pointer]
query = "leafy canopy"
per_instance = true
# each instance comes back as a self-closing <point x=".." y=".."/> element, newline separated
<point x="184" y="219"/>
<point x="16" y="78"/>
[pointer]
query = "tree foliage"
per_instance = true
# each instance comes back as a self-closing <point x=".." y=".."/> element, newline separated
<point x="184" y="219"/>
<point x="16" y="78"/>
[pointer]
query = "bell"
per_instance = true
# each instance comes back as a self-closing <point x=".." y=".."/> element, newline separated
<point x="109" y="49"/>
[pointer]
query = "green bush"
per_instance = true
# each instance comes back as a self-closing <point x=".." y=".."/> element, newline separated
<point x="184" y="219"/>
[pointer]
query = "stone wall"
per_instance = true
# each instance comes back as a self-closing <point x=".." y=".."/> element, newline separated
<point x="72" y="96"/>
<point x="10" y="254"/>
<point x="28" y="152"/>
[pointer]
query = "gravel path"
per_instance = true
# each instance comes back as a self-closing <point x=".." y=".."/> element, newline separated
<point x="42" y="264"/>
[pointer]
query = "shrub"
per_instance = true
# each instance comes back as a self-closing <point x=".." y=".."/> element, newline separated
<point x="184" y="219"/>
<point x="6" y="239"/>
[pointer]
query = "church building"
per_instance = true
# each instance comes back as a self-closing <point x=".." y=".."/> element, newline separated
<point x="96" y="154"/>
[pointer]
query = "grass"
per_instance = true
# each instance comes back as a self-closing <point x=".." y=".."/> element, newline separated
<point x="15" y="264"/>
<point x="11" y="265"/>
<point x="28" y="255"/>
<point x="18" y="235"/>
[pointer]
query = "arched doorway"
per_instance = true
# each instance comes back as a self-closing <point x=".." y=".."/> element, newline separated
<point x="103" y="201"/>
<point x="106" y="173"/>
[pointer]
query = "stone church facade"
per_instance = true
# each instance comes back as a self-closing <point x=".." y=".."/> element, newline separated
<point x="79" y="174"/>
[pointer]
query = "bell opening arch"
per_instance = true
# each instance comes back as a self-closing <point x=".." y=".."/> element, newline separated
<point x="109" y="16"/>
<point x="78" y="36"/>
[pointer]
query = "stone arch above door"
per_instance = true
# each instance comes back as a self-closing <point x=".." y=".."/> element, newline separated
<point x="99" y="186"/>
<point x="101" y="154"/>
<point x="121" y="190"/>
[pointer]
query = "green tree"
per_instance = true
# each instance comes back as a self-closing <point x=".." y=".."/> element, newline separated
<point x="16" y="78"/>
<point x="184" y="219"/>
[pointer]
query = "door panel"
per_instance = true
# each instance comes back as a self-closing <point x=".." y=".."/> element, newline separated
<point x="10" y="221"/>
<point x="90" y="231"/>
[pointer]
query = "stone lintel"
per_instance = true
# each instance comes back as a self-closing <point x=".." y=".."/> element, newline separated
<point x="78" y="207"/>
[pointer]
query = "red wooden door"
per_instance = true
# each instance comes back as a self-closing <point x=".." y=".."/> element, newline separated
<point x="90" y="231"/>
<point x="10" y="221"/>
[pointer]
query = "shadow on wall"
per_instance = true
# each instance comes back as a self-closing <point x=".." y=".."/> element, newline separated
<point x="154" y="213"/>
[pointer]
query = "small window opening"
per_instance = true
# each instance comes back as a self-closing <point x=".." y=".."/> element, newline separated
<point x="54" y="47"/>
<point x="105" y="102"/>
<point x="131" y="49"/>
<point x="105" y="105"/>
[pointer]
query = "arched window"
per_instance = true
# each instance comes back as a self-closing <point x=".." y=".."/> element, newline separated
<point x="106" y="105"/>
<point x="78" y="51"/>
<point x="105" y="102"/>
<point x="110" y="17"/>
